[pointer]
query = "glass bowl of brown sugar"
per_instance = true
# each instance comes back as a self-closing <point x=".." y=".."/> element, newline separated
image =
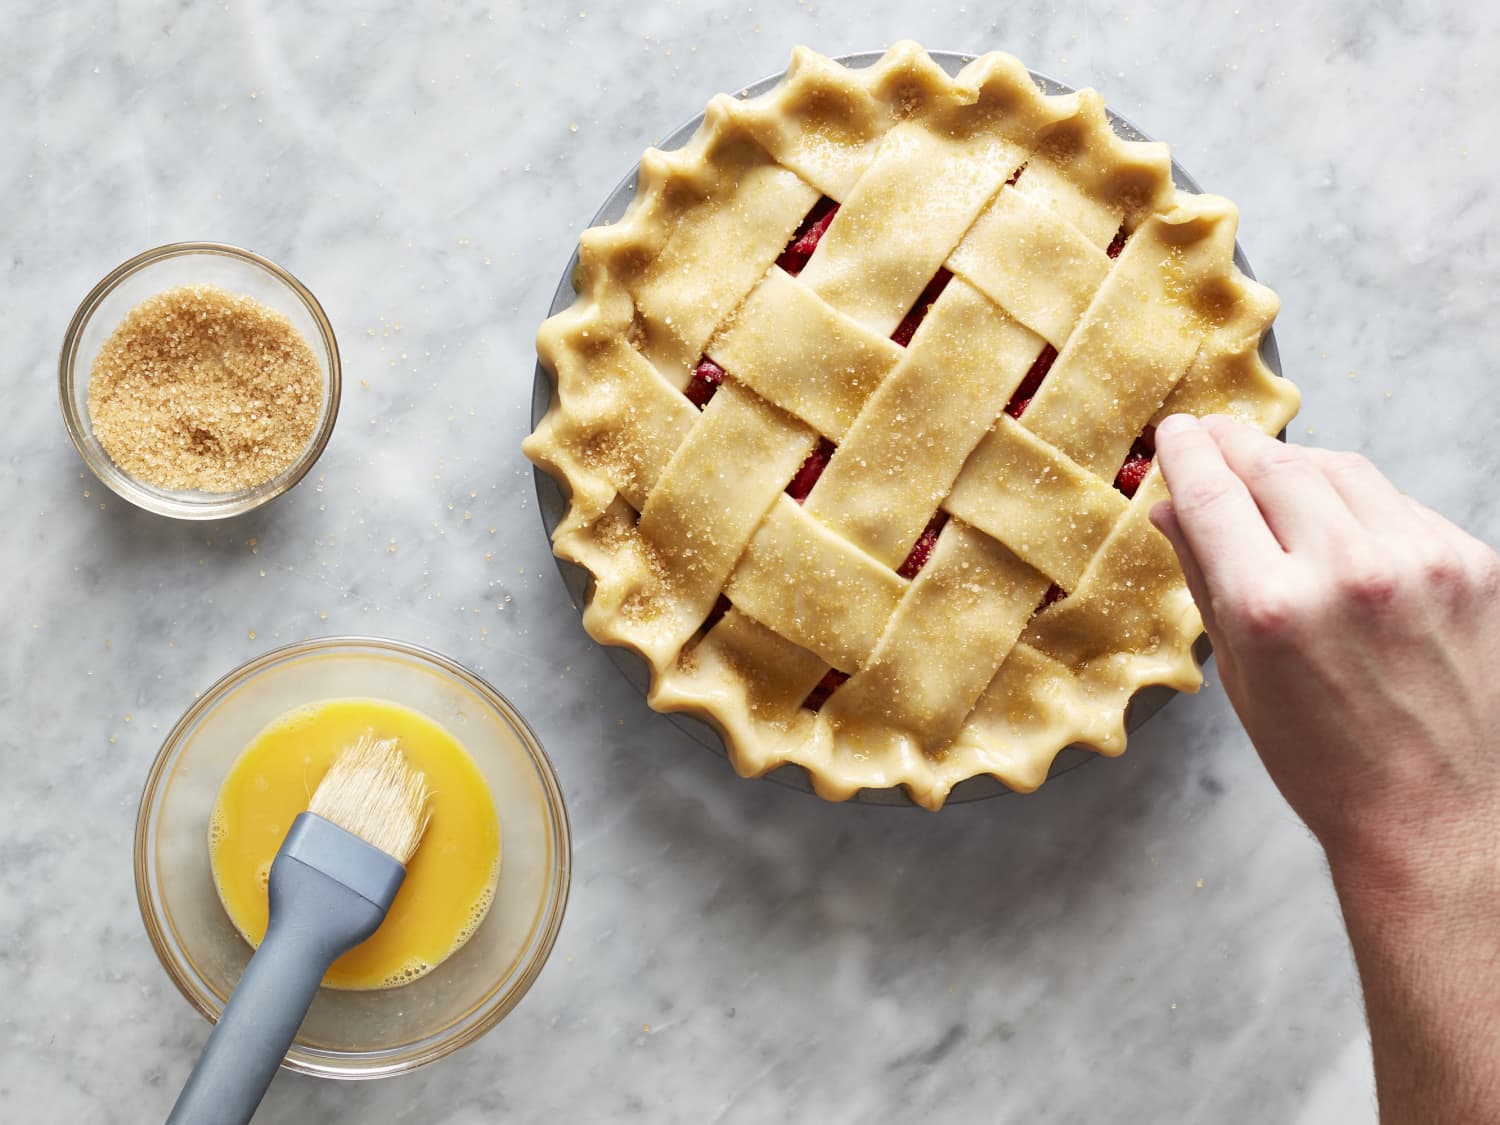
<point x="199" y="380"/>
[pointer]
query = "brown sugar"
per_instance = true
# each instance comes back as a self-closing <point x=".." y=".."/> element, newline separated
<point x="198" y="388"/>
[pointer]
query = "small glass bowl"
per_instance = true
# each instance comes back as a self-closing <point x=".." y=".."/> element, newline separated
<point x="166" y="267"/>
<point x="347" y="1034"/>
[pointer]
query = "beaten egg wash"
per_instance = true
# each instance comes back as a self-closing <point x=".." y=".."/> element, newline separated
<point x="450" y="882"/>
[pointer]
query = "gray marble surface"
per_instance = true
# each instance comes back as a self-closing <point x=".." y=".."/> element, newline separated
<point x="1151" y="939"/>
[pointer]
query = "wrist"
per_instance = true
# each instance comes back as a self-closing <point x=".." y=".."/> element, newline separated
<point x="1424" y="926"/>
<point x="1419" y="883"/>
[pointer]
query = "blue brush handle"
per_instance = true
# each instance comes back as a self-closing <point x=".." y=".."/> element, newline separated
<point x="328" y="890"/>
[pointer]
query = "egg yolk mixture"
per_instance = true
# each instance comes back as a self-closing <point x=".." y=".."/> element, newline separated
<point x="450" y="882"/>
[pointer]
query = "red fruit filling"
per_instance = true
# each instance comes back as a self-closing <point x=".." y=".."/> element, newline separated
<point x="811" y="470"/>
<point x="706" y="379"/>
<point x="1054" y="593"/>
<point x="1137" y="463"/>
<point x="826" y="686"/>
<point x="1021" y="399"/>
<point x="922" y="550"/>
<point x="1116" y="244"/>
<point x="1014" y="176"/>
<point x="1129" y="478"/>
<point x="908" y="326"/>
<point x="794" y="258"/>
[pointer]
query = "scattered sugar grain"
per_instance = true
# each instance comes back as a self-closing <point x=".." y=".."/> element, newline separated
<point x="198" y="388"/>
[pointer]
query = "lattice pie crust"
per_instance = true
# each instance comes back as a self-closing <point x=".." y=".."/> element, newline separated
<point x="957" y="671"/>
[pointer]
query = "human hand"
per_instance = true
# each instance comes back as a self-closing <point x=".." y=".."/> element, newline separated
<point x="1358" y="638"/>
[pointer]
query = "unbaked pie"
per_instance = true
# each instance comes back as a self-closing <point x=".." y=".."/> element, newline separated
<point x="854" y="410"/>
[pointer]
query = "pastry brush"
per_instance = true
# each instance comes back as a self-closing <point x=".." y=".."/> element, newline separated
<point x="330" y="887"/>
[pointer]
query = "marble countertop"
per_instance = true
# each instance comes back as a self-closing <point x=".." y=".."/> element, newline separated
<point x="1149" y="939"/>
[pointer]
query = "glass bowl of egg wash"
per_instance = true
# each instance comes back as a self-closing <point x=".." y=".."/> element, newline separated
<point x="483" y="899"/>
<point x="199" y="380"/>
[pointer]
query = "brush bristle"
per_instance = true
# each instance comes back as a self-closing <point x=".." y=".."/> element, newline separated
<point x="371" y="791"/>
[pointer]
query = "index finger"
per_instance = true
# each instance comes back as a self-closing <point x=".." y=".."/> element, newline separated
<point x="1218" y="517"/>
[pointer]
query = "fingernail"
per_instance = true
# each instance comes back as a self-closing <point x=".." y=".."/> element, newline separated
<point x="1176" y="424"/>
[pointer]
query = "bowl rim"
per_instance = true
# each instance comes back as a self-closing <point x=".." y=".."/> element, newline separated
<point x="315" y="1061"/>
<point x="161" y="501"/>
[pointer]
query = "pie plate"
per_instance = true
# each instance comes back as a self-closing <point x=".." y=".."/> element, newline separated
<point x="553" y="504"/>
